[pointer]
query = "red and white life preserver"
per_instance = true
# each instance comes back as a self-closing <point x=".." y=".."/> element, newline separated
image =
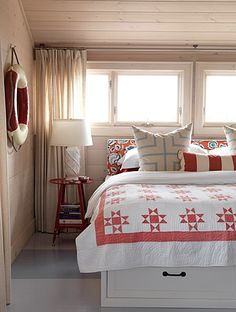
<point x="17" y="104"/>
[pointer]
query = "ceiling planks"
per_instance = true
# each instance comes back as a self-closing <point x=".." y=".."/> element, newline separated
<point x="131" y="6"/>
<point x="133" y="27"/>
<point x="140" y="17"/>
<point x="126" y="23"/>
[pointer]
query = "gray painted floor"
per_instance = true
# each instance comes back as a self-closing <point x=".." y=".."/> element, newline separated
<point x="47" y="279"/>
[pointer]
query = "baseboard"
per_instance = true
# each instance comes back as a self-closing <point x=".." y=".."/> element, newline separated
<point x="22" y="239"/>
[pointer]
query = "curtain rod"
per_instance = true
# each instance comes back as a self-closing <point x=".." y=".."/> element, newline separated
<point x="194" y="47"/>
<point x="58" y="48"/>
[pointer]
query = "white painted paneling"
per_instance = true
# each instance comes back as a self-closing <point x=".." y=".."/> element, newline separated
<point x="94" y="157"/>
<point x="128" y="23"/>
<point x="98" y="143"/>
<point x="97" y="171"/>
<point x="154" y="56"/>
<point x="129" y="17"/>
<point x="133" y="27"/>
<point x="96" y="163"/>
<point x="129" y="6"/>
<point x="86" y="38"/>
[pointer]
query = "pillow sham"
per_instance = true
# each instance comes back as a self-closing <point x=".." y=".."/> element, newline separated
<point x="223" y="150"/>
<point x="194" y="148"/>
<point x="199" y="162"/>
<point x="130" y="159"/>
<point x="158" y="152"/>
<point x="230" y="134"/>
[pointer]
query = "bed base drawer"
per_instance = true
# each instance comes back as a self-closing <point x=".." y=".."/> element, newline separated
<point x="213" y="287"/>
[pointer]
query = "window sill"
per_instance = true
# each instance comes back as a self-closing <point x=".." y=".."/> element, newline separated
<point x="126" y="131"/>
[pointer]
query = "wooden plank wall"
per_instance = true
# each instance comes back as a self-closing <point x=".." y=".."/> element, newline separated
<point x="20" y="165"/>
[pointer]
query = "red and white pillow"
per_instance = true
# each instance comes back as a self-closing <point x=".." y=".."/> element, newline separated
<point x="199" y="162"/>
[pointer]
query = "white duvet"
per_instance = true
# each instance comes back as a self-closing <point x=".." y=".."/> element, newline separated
<point x="160" y="219"/>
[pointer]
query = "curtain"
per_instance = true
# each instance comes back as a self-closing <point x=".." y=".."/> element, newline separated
<point x="5" y="246"/>
<point x="60" y="77"/>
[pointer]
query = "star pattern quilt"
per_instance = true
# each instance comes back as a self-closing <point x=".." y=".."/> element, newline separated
<point x="189" y="222"/>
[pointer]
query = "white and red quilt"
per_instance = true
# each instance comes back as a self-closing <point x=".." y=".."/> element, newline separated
<point x="161" y="219"/>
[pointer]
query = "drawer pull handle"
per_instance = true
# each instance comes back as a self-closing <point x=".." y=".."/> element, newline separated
<point x="182" y="274"/>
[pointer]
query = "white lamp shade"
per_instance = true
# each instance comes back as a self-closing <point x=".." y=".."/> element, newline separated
<point x="71" y="132"/>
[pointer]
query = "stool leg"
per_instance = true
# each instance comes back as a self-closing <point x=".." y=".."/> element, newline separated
<point x="61" y="195"/>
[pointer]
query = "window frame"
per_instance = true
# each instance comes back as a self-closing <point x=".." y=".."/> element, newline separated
<point x="202" y="128"/>
<point x="113" y="127"/>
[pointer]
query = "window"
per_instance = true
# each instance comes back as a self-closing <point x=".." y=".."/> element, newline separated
<point x="120" y="94"/>
<point x="97" y="97"/>
<point x="148" y="98"/>
<point x="220" y="98"/>
<point x="215" y="97"/>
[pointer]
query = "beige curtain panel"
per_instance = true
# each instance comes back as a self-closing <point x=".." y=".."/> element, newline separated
<point x="60" y="78"/>
<point x="5" y="246"/>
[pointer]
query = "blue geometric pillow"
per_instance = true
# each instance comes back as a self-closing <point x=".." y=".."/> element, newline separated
<point x="158" y="152"/>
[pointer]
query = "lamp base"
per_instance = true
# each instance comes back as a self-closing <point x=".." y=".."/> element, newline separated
<point x="72" y="162"/>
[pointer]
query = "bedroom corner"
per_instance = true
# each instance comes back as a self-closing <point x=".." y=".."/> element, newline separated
<point x="5" y="243"/>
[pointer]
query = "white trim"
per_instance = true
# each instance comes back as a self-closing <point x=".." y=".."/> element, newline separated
<point x="113" y="99"/>
<point x="126" y="131"/>
<point x="129" y="65"/>
<point x="26" y="21"/>
<point x="202" y="128"/>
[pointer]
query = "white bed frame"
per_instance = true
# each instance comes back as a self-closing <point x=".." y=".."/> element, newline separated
<point x="195" y="287"/>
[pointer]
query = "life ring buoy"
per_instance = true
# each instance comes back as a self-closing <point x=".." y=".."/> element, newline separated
<point x="17" y="104"/>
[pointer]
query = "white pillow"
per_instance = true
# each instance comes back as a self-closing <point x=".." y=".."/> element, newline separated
<point x="230" y="134"/>
<point x="220" y="151"/>
<point x="197" y="149"/>
<point x="130" y="159"/>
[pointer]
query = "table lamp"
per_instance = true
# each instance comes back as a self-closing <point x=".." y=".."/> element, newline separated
<point x="72" y="133"/>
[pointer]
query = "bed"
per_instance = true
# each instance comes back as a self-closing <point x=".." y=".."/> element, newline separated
<point x="162" y="239"/>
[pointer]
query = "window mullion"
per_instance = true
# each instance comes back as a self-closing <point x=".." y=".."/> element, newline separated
<point x="180" y="97"/>
<point x="113" y="97"/>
